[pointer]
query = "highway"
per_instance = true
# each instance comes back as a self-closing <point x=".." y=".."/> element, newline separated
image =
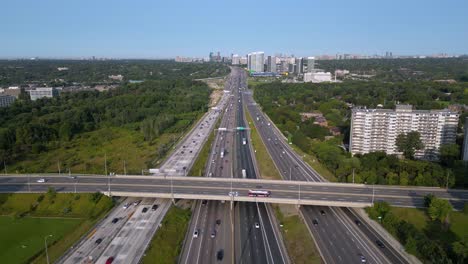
<point x="213" y="219"/>
<point x="335" y="230"/>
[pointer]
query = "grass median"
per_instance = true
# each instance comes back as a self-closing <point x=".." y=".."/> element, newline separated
<point x="166" y="245"/>
<point x="299" y="243"/>
<point x="265" y="164"/>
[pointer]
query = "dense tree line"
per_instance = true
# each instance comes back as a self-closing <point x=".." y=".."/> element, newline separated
<point x="20" y="72"/>
<point x="434" y="244"/>
<point x="284" y="103"/>
<point x="403" y="69"/>
<point x="151" y="107"/>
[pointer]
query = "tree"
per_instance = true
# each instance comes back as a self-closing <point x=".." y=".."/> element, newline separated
<point x="460" y="248"/>
<point x="449" y="153"/>
<point x="409" y="143"/>
<point x="439" y="209"/>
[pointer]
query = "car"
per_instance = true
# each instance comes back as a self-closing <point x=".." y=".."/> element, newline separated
<point x="98" y="241"/>
<point x="204" y="202"/>
<point x="136" y="202"/>
<point x="115" y="220"/>
<point x="126" y="205"/>
<point x="257" y="225"/>
<point x="357" y="222"/>
<point x="363" y="259"/>
<point x="226" y="161"/>
<point x="42" y="180"/>
<point x="213" y="234"/>
<point x="154" y="207"/>
<point x="380" y="244"/>
<point x="144" y="210"/>
<point x="218" y="221"/>
<point x="235" y="194"/>
<point x="322" y="212"/>
<point x="220" y="255"/>
<point x="109" y="260"/>
<point x="72" y="177"/>
<point x="195" y="233"/>
<point x="315" y="222"/>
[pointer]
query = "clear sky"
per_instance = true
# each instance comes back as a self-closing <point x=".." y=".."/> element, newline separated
<point x="162" y="29"/>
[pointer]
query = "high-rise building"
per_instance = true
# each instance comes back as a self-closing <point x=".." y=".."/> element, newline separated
<point x="299" y="68"/>
<point x="6" y="100"/>
<point x="377" y="129"/>
<point x="310" y="64"/>
<point x="255" y="61"/>
<point x="47" y="92"/>
<point x="271" y="64"/>
<point x="235" y="59"/>
<point x="465" y="141"/>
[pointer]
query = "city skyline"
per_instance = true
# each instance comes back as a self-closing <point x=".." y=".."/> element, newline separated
<point x="149" y="30"/>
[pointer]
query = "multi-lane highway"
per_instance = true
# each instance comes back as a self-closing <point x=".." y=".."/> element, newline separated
<point x="335" y="230"/>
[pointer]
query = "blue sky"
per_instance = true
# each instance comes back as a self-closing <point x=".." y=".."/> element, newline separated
<point x="158" y="29"/>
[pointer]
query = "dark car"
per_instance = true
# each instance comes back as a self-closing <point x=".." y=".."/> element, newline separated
<point x="109" y="260"/>
<point x="98" y="241"/>
<point x="115" y="220"/>
<point x="145" y="209"/>
<point x="204" y="202"/>
<point x="322" y="212"/>
<point x="380" y="244"/>
<point x="218" y="221"/>
<point x="220" y="255"/>
<point x="315" y="222"/>
<point x="154" y="207"/>
<point x="357" y="222"/>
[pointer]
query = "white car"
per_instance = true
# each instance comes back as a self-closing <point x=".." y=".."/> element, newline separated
<point x="257" y="225"/>
<point x="195" y="233"/>
<point x="42" y="180"/>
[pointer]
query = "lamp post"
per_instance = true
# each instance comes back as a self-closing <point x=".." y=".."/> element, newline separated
<point x="45" y="244"/>
<point x="290" y="170"/>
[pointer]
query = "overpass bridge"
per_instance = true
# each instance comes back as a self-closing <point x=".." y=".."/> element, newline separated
<point x="232" y="189"/>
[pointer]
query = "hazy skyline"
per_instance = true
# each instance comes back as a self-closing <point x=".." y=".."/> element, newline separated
<point x="148" y="29"/>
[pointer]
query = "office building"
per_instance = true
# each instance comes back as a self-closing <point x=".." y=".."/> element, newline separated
<point x="271" y="64"/>
<point x="47" y="92"/>
<point x="299" y="68"/>
<point x="317" y="77"/>
<point x="310" y="64"/>
<point x="6" y="100"/>
<point x="465" y="141"/>
<point x="377" y="129"/>
<point x="255" y="61"/>
<point x="235" y="59"/>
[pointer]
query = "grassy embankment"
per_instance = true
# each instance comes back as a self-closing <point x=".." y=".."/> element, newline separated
<point x="27" y="218"/>
<point x="298" y="241"/>
<point x="166" y="245"/>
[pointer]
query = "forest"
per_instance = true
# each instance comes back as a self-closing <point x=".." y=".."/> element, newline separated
<point x="21" y="72"/>
<point x="400" y="70"/>
<point x="284" y="103"/>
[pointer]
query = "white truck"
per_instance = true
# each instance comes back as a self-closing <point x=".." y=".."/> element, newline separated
<point x="222" y="153"/>
<point x="244" y="173"/>
<point x="244" y="141"/>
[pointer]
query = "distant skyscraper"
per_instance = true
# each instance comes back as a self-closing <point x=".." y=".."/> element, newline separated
<point x="310" y="64"/>
<point x="299" y="66"/>
<point x="465" y="141"/>
<point x="235" y="59"/>
<point x="271" y="64"/>
<point x="255" y="61"/>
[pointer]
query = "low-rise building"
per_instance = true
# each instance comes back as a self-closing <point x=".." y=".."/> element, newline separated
<point x="41" y="92"/>
<point x="465" y="141"/>
<point x="317" y="77"/>
<point x="6" y="100"/>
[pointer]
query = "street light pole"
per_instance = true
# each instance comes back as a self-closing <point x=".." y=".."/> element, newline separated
<point x="353" y="175"/>
<point x="45" y="243"/>
<point x="4" y="167"/>
<point x="290" y="170"/>
<point x="373" y="193"/>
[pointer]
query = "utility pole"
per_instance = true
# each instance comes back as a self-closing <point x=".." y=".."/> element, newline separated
<point x="373" y="193"/>
<point x="105" y="163"/>
<point x="353" y="175"/>
<point x="172" y="191"/>
<point x="125" y="168"/>
<point x="58" y="166"/>
<point x="290" y="170"/>
<point x="4" y="167"/>
<point x="447" y="179"/>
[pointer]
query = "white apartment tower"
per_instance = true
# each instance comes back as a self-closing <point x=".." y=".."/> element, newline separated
<point x="255" y="61"/>
<point x="377" y="129"/>
<point x="271" y="64"/>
